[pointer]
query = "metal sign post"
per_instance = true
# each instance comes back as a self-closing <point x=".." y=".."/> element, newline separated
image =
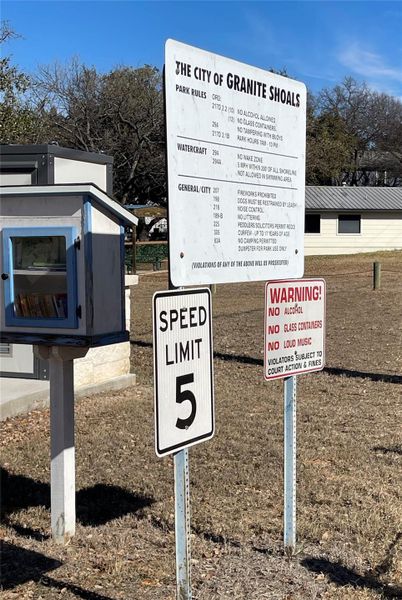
<point x="182" y="524"/>
<point x="289" y="471"/>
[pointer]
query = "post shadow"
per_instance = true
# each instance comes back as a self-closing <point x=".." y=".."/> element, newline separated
<point x="342" y="576"/>
<point x="74" y="589"/>
<point x="250" y="360"/>
<point x="101" y="503"/>
<point x="20" y="566"/>
<point x="96" y="505"/>
<point x="388" y="450"/>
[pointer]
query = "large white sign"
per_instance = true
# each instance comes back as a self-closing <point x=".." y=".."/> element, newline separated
<point x="183" y="374"/>
<point x="236" y="140"/>
<point x="294" y="327"/>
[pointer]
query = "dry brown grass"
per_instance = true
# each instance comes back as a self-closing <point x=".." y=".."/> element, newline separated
<point x="349" y="466"/>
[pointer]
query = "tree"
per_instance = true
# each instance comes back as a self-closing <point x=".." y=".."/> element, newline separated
<point x="329" y="150"/>
<point x="119" y="113"/>
<point x="372" y="123"/>
<point x="18" y="122"/>
<point x="388" y="138"/>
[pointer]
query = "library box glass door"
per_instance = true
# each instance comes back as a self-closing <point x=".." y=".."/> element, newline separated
<point x="40" y="277"/>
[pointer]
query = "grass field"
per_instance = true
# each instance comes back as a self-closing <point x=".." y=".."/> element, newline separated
<point x="349" y="476"/>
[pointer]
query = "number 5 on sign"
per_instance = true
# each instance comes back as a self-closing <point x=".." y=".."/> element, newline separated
<point x="183" y="372"/>
<point x="181" y="396"/>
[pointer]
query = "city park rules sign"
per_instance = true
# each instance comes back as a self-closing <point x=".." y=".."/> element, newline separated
<point x="294" y="327"/>
<point x="183" y="371"/>
<point x="236" y="138"/>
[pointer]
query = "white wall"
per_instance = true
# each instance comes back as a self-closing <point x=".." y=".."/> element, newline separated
<point x="379" y="231"/>
<point x="67" y="170"/>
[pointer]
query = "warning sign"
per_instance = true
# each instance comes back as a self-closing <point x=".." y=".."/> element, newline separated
<point x="294" y="327"/>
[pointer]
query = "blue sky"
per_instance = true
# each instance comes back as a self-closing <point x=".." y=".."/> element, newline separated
<point x="318" y="42"/>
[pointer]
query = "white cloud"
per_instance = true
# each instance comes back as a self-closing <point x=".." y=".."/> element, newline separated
<point x="368" y="64"/>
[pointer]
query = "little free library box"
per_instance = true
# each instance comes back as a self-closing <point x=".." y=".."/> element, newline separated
<point x="62" y="265"/>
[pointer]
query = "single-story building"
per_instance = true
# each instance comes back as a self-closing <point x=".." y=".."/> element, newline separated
<point x="349" y="220"/>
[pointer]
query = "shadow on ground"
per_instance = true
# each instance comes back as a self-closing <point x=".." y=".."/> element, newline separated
<point x="342" y="576"/>
<point x="390" y="450"/>
<point x="18" y="566"/>
<point x="95" y="505"/>
<point x="250" y="360"/>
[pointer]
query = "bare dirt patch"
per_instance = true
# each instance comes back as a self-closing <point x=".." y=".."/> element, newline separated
<point x="349" y="465"/>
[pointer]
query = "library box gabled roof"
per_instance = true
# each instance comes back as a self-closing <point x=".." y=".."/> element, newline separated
<point x="68" y="189"/>
<point x="345" y="199"/>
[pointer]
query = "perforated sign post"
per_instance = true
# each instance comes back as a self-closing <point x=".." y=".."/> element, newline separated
<point x="184" y="398"/>
<point x="236" y="138"/>
<point x="294" y="336"/>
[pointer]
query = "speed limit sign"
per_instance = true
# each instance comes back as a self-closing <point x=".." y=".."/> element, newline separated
<point x="183" y="373"/>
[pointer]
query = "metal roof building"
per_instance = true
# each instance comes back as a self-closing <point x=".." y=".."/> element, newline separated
<point x="345" y="199"/>
<point x="349" y="220"/>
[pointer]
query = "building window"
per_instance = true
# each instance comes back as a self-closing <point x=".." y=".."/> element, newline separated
<point x="312" y="224"/>
<point x="349" y="224"/>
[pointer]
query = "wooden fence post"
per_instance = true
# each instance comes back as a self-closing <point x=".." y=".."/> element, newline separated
<point x="376" y="275"/>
